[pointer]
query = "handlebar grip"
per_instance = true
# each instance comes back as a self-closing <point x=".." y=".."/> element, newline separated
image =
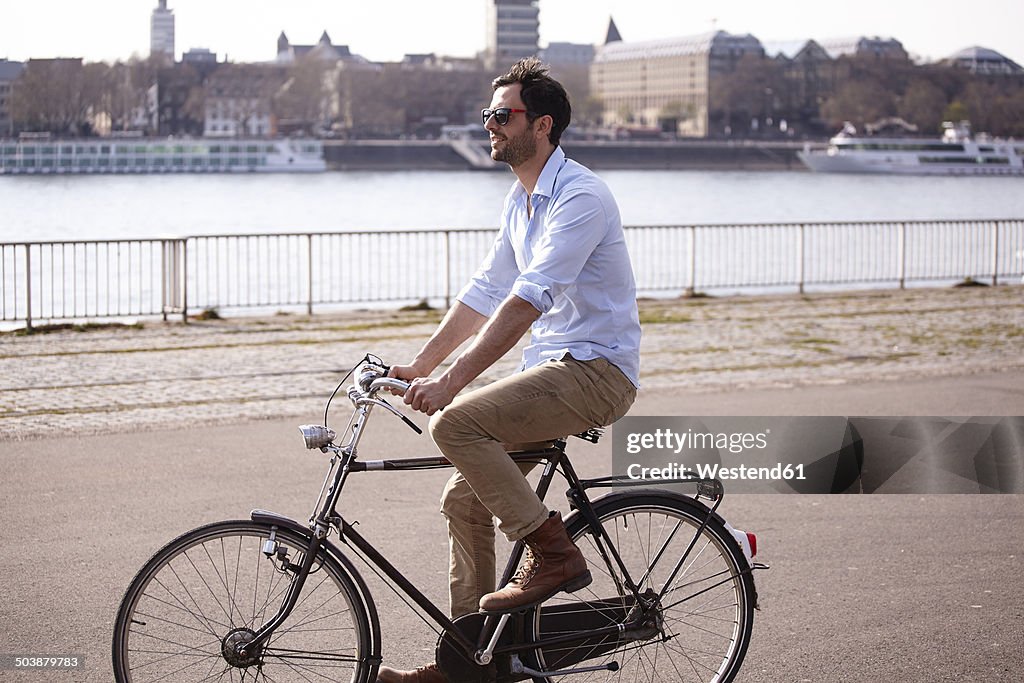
<point x="390" y="383"/>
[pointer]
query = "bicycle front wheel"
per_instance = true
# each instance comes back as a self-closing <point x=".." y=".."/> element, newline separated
<point x="212" y="588"/>
<point x="700" y="603"/>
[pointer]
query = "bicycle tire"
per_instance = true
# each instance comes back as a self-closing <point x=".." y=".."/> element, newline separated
<point x="706" y="615"/>
<point x="213" y="584"/>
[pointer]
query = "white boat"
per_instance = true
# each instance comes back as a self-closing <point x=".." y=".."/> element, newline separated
<point x="41" y="155"/>
<point x="956" y="153"/>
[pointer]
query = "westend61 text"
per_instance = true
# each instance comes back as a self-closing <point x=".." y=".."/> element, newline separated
<point x="778" y="472"/>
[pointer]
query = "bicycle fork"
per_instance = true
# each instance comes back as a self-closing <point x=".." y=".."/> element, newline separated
<point x="249" y="649"/>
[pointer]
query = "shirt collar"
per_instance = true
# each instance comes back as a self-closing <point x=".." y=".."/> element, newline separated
<point x="545" y="186"/>
<point x="546" y="181"/>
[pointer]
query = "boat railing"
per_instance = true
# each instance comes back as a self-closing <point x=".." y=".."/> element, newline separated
<point x="46" y="281"/>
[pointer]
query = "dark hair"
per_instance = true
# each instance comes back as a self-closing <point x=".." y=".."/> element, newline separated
<point x="542" y="95"/>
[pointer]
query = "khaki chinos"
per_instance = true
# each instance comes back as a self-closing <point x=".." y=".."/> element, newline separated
<point x="546" y="402"/>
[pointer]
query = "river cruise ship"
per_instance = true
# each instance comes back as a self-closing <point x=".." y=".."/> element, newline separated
<point x="956" y="153"/>
<point x="148" y="155"/>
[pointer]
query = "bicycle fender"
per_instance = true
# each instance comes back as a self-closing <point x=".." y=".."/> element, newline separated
<point x="661" y="493"/>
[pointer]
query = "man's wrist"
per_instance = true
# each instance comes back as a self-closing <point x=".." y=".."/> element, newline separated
<point x="454" y="379"/>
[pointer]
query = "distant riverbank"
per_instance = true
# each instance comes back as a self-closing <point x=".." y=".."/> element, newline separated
<point x="389" y="155"/>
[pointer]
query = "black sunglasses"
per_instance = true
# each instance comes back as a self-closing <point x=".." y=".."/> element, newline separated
<point x="500" y="114"/>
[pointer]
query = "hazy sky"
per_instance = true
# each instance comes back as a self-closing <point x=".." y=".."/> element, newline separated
<point x="247" y="30"/>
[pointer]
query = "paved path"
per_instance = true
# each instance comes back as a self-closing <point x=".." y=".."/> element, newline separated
<point x="863" y="588"/>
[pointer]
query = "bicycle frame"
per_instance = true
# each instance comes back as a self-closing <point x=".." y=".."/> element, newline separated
<point x="344" y="462"/>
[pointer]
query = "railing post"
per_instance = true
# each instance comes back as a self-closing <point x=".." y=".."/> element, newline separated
<point x="691" y="246"/>
<point x="28" y="286"/>
<point x="184" y="279"/>
<point x="901" y="253"/>
<point x="447" y="270"/>
<point x="309" y="271"/>
<point x="995" y="253"/>
<point x="800" y="258"/>
<point x="165" y="273"/>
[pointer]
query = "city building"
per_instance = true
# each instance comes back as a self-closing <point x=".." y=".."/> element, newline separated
<point x="324" y="50"/>
<point x="665" y="83"/>
<point x="562" y="54"/>
<point x="161" y="32"/>
<point x="9" y="72"/>
<point x="513" y="31"/>
<point x="887" y="48"/>
<point x="199" y="55"/>
<point x="239" y="100"/>
<point x="985" y="62"/>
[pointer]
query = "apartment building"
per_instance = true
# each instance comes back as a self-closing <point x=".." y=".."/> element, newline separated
<point x="665" y="83"/>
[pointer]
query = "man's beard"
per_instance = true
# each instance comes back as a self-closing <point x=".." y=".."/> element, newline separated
<point x="517" y="149"/>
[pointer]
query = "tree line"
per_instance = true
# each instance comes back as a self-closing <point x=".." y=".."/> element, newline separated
<point x="68" y="97"/>
<point x="816" y="99"/>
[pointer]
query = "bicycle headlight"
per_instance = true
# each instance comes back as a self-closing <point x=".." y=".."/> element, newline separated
<point x="317" y="436"/>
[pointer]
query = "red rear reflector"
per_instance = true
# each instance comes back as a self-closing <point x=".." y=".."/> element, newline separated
<point x="753" y="544"/>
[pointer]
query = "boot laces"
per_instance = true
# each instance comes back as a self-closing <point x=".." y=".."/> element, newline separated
<point x="529" y="567"/>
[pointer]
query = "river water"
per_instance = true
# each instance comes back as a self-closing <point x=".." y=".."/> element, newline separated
<point x="99" y="207"/>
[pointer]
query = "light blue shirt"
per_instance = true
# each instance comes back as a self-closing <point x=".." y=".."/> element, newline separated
<point x="569" y="260"/>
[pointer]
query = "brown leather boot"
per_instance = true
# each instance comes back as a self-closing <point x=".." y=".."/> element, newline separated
<point x="552" y="563"/>
<point x="424" y="674"/>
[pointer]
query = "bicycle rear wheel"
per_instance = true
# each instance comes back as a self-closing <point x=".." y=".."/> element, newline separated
<point x="213" y="587"/>
<point x="700" y="628"/>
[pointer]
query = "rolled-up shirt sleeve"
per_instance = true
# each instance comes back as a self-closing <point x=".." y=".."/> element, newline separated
<point x="493" y="280"/>
<point x="575" y="226"/>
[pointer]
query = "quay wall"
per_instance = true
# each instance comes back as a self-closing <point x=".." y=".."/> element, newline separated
<point x="390" y="155"/>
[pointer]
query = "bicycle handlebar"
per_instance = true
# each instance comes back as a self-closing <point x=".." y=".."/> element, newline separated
<point x="399" y="385"/>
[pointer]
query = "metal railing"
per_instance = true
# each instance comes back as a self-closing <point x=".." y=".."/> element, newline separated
<point x="83" y="279"/>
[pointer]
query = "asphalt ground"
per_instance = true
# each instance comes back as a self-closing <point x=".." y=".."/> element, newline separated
<point x="862" y="588"/>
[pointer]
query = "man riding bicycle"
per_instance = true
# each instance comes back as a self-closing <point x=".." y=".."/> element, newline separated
<point x="560" y="269"/>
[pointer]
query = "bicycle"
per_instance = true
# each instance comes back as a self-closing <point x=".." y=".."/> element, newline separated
<point x="269" y="598"/>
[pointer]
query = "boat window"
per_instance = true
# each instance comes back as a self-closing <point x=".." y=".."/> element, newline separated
<point x="948" y="160"/>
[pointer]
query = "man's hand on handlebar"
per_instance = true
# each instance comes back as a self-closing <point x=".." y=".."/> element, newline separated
<point x="426" y="395"/>
<point x="429" y="395"/>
